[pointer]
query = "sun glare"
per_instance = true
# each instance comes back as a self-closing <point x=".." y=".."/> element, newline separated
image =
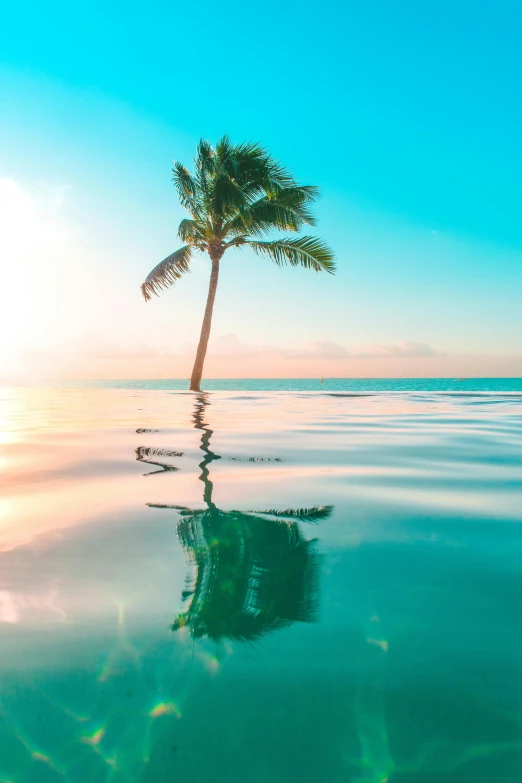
<point x="31" y="243"/>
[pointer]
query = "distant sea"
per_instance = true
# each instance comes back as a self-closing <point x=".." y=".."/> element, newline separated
<point x="315" y="384"/>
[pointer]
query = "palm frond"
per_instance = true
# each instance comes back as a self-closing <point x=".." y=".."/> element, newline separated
<point x="183" y="510"/>
<point x="248" y="162"/>
<point x="310" y="252"/>
<point x="298" y="197"/>
<point x="193" y="232"/>
<point x="251" y="168"/>
<point x="256" y="160"/>
<point x="186" y="187"/>
<point x="205" y="165"/>
<point x="313" y="514"/>
<point x="166" y="272"/>
<point x="228" y="196"/>
<point x="225" y="154"/>
<point x="205" y="155"/>
<point x="309" y="193"/>
<point x="239" y="240"/>
<point x="285" y="209"/>
<point x="278" y="175"/>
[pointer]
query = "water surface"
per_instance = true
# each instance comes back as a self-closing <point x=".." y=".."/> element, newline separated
<point x="240" y="586"/>
<point x="324" y="385"/>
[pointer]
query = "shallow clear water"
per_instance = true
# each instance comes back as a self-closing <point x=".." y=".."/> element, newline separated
<point x="246" y="587"/>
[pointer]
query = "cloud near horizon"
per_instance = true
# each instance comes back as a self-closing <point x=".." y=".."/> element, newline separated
<point x="229" y="346"/>
<point x="326" y="349"/>
<point x="94" y="357"/>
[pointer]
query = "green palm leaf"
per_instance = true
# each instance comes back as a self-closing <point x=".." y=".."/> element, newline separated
<point x="310" y="252"/>
<point x="285" y="209"/>
<point x="167" y="272"/>
<point x="193" y="233"/>
<point x="186" y="187"/>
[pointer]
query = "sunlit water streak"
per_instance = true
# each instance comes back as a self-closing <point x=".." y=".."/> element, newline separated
<point x="260" y="587"/>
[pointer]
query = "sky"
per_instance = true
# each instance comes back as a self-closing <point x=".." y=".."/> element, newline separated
<point x="407" y="115"/>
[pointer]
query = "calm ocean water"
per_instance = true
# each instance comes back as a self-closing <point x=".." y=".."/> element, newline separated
<point x="255" y="587"/>
<point x="315" y="384"/>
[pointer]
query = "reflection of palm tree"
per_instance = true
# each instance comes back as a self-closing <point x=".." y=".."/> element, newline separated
<point x="255" y="571"/>
<point x="254" y="574"/>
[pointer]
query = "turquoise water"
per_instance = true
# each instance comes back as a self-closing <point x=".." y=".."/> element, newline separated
<point x="328" y="384"/>
<point x="260" y="587"/>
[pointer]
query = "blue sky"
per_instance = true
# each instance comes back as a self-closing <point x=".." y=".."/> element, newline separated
<point x="408" y="115"/>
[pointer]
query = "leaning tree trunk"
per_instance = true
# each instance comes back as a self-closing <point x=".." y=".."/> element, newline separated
<point x="215" y="254"/>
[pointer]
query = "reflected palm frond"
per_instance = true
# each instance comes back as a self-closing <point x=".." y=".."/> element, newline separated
<point x="152" y="457"/>
<point x="313" y="514"/>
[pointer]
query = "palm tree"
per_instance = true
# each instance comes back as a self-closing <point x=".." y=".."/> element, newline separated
<point x="236" y="195"/>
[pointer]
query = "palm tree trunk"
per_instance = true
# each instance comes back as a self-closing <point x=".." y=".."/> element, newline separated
<point x="197" y="371"/>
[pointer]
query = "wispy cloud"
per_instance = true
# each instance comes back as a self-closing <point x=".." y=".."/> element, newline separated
<point x="93" y="356"/>
<point x="229" y="357"/>
<point x="322" y="349"/>
<point x="403" y="349"/>
<point x="96" y="348"/>
<point x="230" y="345"/>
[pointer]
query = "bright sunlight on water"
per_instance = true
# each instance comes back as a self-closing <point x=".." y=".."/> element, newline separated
<point x="260" y="587"/>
